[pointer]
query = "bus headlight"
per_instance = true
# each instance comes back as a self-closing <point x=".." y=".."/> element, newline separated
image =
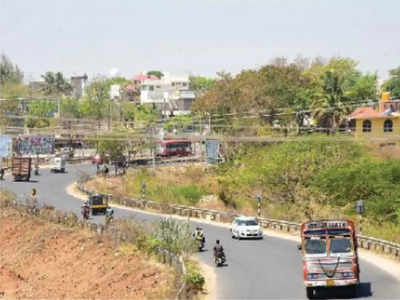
<point x="348" y="275"/>
<point x="313" y="276"/>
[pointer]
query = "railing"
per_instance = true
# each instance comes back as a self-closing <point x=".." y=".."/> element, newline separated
<point x="369" y="243"/>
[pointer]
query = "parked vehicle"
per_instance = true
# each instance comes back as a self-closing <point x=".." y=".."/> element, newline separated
<point x="98" y="203"/>
<point x="330" y="258"/>
<point x="167" y="148"/>
<point x="21" y="168"/>
<point x="99" y="159"/>
<point x="58" y="165"/>
<point x="246" y="227"/>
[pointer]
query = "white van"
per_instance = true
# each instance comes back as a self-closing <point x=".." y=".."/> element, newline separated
<point x="58" y="164"/>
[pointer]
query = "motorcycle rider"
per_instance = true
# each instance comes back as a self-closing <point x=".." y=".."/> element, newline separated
<point x="85" y="210"/>
<point x="109" y="213"/>
<point x="199" y="236"/>
<point x="219" y="251"/>
<point x="1" y="173"/>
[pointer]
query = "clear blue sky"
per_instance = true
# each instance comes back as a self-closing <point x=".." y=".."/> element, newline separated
<point x="194" y="36"/>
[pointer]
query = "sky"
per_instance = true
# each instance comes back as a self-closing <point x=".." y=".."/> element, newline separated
<point x="199" y="37"/>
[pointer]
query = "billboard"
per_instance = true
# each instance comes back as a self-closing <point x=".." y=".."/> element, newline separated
<point x="35" y="144"/>
<point x="5" y="145"/>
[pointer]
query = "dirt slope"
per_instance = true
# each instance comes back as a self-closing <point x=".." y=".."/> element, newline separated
<point x="39" y="260"/>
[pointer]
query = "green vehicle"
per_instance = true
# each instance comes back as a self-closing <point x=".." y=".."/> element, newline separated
<point x="98" y="203"/>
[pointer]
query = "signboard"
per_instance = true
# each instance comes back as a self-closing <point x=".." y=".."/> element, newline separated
<point x="5" y="145"/>
<point x="115" y="91"/>
<point x="327" y="224"/>
<point x="37" y="144"/>
<point x="212" y="149"/>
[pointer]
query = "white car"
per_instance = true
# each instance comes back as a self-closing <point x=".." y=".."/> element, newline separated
<point x="246" y="227"/>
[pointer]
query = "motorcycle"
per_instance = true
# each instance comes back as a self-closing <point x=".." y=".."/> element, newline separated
<point x="200" y="243"/>
<point x="109" y="219"/>
<point x="219" y="259"/>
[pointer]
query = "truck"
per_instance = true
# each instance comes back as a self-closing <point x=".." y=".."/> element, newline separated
<point x="58" y="165"/>
<point x="330" y="258"/>
<point x="21" y="168"/>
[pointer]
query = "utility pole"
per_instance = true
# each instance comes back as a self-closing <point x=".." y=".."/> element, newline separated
<point x="153" y="149"/>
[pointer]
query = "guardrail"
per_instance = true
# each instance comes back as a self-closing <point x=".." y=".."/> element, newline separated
<point x="369" y="243"/>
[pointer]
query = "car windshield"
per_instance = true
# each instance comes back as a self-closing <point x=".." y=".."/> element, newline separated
<point x="340" y="245"/>
<point x="315" y="246"/>
<point x="247" y="222"/>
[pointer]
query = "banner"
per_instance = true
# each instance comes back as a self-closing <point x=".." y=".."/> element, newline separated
<point x="5" y="145"/>
<point x="36" y="144"/>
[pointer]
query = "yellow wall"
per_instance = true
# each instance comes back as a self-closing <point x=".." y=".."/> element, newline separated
<point x="377" y="128"/>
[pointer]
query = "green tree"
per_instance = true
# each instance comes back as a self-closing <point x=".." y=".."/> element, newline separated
<point x="156" y="73"/>
<point x="332" y="107"/>
<point x="201" y="84"/>
<point x="9" y="72"/>
<point x="70" y="108"/>
<point x="42" y="111"/>
<point x="392" y="85"/>
<point x="56" y="84"/>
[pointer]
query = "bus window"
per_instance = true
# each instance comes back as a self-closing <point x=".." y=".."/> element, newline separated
<point x="340" y="246"/>
<point x="315" y="246"/>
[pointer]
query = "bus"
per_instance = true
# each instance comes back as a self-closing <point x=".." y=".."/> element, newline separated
<point x="330" y="258"/>
<point x="167" y="148"/>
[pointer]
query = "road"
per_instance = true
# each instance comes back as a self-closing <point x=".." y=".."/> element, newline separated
<point x="260" y="269"/>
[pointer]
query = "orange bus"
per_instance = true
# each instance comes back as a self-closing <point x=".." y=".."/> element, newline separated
<point x="330" y="259"/>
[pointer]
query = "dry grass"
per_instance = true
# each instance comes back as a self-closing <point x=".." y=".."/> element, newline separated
<point x="45" y="261"/>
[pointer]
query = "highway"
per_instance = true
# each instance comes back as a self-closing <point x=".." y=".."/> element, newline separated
<point x="258" y="269"/>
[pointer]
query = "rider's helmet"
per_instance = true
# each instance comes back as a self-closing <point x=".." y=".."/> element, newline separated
<point x="86" y="203"/>
<point x="217" y="242"/>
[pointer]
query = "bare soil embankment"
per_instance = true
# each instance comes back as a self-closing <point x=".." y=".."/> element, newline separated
<point x="39" y="260"/>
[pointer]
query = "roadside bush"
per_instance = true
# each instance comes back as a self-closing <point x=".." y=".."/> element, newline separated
<point x="190" y="193"/>
<point x="175" y="236"/>
<point x="194" y="278"/>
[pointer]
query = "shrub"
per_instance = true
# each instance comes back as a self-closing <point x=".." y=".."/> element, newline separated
<point x="190" y="193"/>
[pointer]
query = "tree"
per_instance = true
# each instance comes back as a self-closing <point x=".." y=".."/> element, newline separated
<point x="9" y="72"/>
<point x="156" y="73"/>
<point x="41" y="110"/>
<point x="392" y="85"/>
<point x="56" y="84"/>
<point x="331" y="108"/>
<point x="201" y="84"/>
<point x="70" y="108"/>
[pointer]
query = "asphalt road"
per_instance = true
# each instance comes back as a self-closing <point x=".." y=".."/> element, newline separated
<point x="256" y="269"/>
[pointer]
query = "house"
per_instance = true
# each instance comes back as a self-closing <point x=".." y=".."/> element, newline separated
<point x="380" y="121"/>
<point x="171" y="95"/>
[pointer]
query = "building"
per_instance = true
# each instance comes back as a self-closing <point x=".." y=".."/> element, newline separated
<point x="78" y="86"/>
<point x="380" y="121"/>
<point x="171" y="95"/>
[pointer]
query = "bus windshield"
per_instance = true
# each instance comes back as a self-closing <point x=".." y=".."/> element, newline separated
<point x="315" y="246"/>
<point x="340" y="245"/>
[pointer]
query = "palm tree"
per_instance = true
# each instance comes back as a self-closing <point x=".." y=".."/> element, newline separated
<point x="331" y="106"/>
